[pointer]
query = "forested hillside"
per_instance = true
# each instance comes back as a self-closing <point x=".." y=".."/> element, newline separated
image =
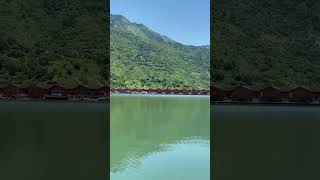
<point x="141" y="57"/>
<point x="54" y="41"/>
<point x="266" y="42"/>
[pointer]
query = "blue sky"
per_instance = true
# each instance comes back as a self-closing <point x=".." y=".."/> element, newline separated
<point x="185" y="21"/>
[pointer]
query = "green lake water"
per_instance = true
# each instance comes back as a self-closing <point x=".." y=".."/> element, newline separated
<point x="265" y="142"/>
<point x="53" y="140"/>
<point x="156" y="137"/>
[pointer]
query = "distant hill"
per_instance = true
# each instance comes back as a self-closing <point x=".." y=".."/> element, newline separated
<point x="54" y="41"/>
<point x="141" y="57"/>
<point x="266" y="42"/>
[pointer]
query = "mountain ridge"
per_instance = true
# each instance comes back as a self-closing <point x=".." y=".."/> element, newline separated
<point x="154" y="60"/>
<point x="142" y="31"/>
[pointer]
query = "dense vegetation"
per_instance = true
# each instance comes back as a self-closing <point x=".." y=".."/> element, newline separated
<point x="266" y="42"/>
<point x="141" y="57"/>
<point x="54" y="41"/>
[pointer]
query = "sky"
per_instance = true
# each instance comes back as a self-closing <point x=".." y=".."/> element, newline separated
<point x="185" y="21"/>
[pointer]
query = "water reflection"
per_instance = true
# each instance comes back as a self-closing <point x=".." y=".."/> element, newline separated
<point x="265" y="142"/>
<point x="159" y="137"/>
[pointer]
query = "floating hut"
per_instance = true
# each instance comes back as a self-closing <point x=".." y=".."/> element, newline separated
<point x="244" y="93"/>
<point x="220" y="93"/>
<point x="301" y="94"/>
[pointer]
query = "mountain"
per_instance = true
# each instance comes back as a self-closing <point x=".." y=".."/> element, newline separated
<point x="122" y="23"/>
<point x="266" y="42"/>
<point x="141" y="57"/>
<point x="54" y="41"/>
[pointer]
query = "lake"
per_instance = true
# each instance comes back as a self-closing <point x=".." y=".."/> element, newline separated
<point x="53" y="140"/>
<point x="157" y="137"/>
<point x="265" y="142"/>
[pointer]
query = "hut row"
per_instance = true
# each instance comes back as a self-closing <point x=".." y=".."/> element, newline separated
<point x="161" y="91"/>
<point x="53" y="92"/>
<point x="300" y="94"/>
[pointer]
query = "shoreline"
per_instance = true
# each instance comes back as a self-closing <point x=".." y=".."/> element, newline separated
<point x="160" y="91"/>
<point x="289" y="104"/>
<point x="46" y="100"/>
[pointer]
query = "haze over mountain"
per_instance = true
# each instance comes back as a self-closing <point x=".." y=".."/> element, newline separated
<point x="141" y="57"/>
<point x="266" y="42"/>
